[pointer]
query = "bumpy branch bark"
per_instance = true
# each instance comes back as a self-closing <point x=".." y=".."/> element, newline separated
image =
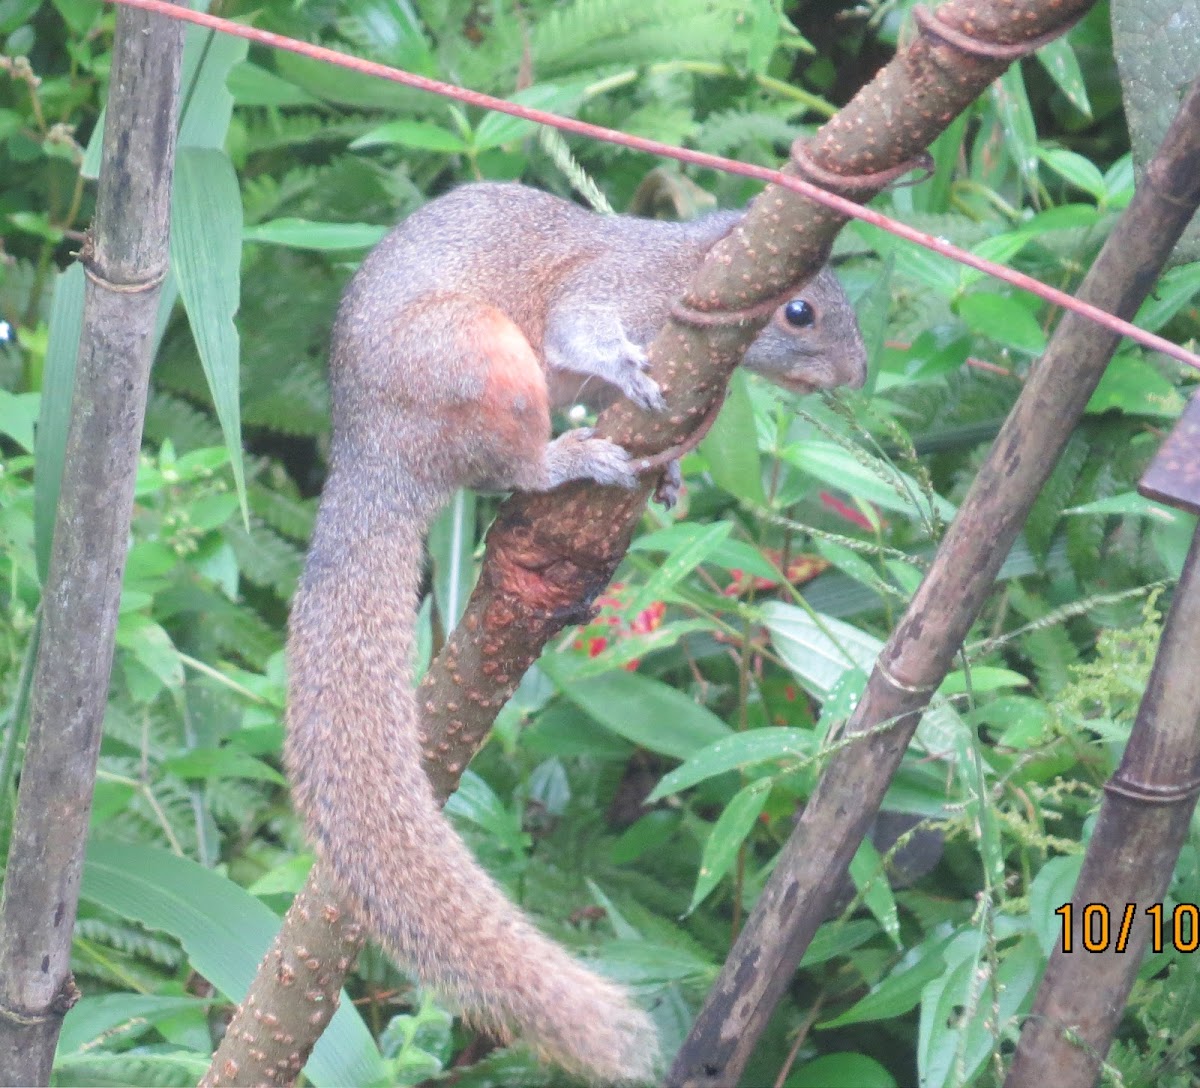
<point x="125" y="262"/>
<point x="548" y="556"/>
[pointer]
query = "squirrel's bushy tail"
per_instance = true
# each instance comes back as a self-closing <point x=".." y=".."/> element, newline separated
<point x="354" y="756"/>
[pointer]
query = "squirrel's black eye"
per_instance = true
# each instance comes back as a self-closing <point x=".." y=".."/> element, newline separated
<point x="799" y="314"/>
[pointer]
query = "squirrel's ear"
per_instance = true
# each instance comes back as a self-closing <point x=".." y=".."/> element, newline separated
<point x="799" y="313"/>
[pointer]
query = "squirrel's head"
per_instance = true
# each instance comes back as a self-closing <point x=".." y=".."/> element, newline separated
<point x="812" y="341"/>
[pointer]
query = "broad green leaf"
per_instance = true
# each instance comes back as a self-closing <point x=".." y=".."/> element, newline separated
<point x="819" y="650"/>
<point x="1074" y="168"/>
<point x="982" y="678"/>
<point x="881" y="484"/>
<point x="651" y="832"/>
<point x="18" y="413"/>
<point x="451" y="546"/>
<point x="1119" y="183"/>
<point x="731" y="446"/>
<point x="419" y="135"/>
<point x="1021" y="719"/>
<point x="946" y="1044"/>
<point x="561" y="730"/>
<point x="641" y="710"/>
<point x="306" y="234"/>
<point x="93" y="1019"/>
<point x="843" y="1069"/>
<point x="225" y="932"/>
<point x="206" y="255"/>
<point x="164" y="1065"/>
<point x="735" y="752"/>
<point x="477" y="802"/>
<point x="392" y="31"/>
<point x="1172" y="292"/>
<point x="79" y="15"/>
<point x="900" y="989"/>
<point x="650" y="963"/>
<point x="1053" y="886"/>
<point x="838" y="938"/>
<point x="703" y="541"/>
<point x="725" y="840"/>
<point x="866" y="870"/>
<point x="1061" y="64"/>
<point x="1064" y="217"/>
<point x="152" y="647"/>
<point x="252" y="85"/>
<point x="1133" y="385"/>
<point x="730" y="555"/>
<point x="1002" y="319"/>
<point x="502" y="128"/>
<point x="1128" y="503"/>
<point x="222" y="763"/>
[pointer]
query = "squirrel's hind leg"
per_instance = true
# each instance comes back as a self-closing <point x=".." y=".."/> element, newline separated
<point x="505" y="437"/>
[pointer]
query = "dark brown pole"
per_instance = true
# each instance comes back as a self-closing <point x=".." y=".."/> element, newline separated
<point x="125" y="259"/>
<point x="1117" y="910"/>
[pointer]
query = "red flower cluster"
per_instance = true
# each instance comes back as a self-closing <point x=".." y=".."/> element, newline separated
<point x="610" y="627"/>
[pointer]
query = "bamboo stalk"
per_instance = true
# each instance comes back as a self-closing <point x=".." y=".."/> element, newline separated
<point x="1116" y="911"/>
<point x="125" y="258"/>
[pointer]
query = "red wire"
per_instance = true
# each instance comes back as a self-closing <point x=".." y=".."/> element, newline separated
<point x="696" y="158"/>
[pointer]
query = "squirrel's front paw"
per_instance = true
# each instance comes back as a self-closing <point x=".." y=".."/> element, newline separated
<point x="580" y="455"/>
<point x="635" y="383"/>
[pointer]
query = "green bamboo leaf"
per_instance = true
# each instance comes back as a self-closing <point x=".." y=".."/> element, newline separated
<point x="252" y="85"/>
<point x="731" y="446"/>
<point x="900" y="989"/>
<point x="1133" y="385"/>
<point x="735" y="752"/>
<point x="730" y="555"/>
<point x="93" y="1019"/>
<point x="639" y="709"/>
<point x="1171" y="293"/>
<point x="206" y="255"/>
<point x="307" y="234"/>
<point x="700" y="542"/>
<point x="982" y="678"/>
<point x="225" y="933"/>
<point x="867" y="872"/>
<point x="222" y="763"/>
<point x="842" y="1067"/>
<point x="1074" y="168"/>
<point x="1061" y="64"/>
<point x="497" y="129"/>
<point x="726" y="838"/>
<point x="887" y="487"/>
<point x="419" y="135"/>
<point x="1003" y="319"/>
<point x="451" y="545"/>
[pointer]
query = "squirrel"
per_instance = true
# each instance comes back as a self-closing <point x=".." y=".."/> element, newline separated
<point x="460" y="332"/>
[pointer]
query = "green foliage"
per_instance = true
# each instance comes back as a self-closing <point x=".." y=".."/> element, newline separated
<point x="649" y="768"/>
